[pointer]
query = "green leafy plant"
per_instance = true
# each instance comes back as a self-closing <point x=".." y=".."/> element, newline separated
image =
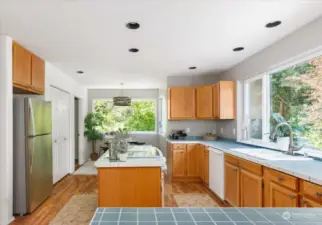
<point x="93" y="130"/>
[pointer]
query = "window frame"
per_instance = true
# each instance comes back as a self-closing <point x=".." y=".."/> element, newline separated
<point x="266" y="102"/>
<point x="134" y="100"/>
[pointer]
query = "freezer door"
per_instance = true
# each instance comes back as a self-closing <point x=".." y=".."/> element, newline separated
<point x="38" y="115"/>
<point x="39" y="170"/>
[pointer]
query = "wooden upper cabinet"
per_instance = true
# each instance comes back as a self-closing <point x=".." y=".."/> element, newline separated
<point x="192" y="153"/>
<point x="179" y="163"/>
<point x="232" y="181"/>
<point x="38" y="74"/>
<point x="181" y="103"/>
<point x="21" y="70"/>
<point x="280" y="196"/>
<point x="250" y="189"/>
<point x="28" y="71"/>
<point x="224" y="100"/>
<point x="204" y="102"/>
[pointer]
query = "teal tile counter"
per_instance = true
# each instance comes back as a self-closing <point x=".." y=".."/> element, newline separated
<point x="207" y="216"/>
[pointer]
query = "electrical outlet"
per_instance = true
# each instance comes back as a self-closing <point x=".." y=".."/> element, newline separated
<point x="187" y="130"/>
<point x="234" y="131"/>
<point x="222" y="130"/>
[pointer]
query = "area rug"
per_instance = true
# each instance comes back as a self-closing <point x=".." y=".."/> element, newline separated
<point x="78" y="211"/>
<point x="87" y="169"/>
<point x="194" y="200"/>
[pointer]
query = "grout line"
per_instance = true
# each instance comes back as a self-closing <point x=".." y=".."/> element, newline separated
<point x="100" y="220"/>
<point x="155" y="216"/>
<point x="191" y="216"/>
<point x="175" y="221"/>
<point x="120" y="213"/>
<point x="229" y="217"/>
<point x="246" y="216"/>
<point x="210" y="216"/>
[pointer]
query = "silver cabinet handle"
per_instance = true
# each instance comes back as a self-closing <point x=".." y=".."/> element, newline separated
<point x="319" y="194"/>
<point x="292" y="196"/>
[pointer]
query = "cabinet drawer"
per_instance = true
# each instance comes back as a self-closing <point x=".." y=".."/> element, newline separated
<point x="251" y="167"/>
<point x="311" y="190"/>
<point x="231" y="159"/>
<point x="178" y="146"/>
<point x="281" y="178"/>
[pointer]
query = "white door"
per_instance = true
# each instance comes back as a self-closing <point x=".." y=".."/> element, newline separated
<point x="61" y="122"/>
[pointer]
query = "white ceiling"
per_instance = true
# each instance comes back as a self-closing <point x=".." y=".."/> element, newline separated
<point x="90" y="35"/>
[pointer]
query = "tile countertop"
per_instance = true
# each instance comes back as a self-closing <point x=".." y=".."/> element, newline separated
<point x="104" y="161"/>
<point x="308" y="169"/>
<point x="206" y="216"/>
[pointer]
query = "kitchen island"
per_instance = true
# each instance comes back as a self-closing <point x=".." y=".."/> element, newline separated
<point x="138" y="182"/>
<point x="206" y="216"/>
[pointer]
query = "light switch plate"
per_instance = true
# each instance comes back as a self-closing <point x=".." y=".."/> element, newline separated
<point x="222" y="130"/>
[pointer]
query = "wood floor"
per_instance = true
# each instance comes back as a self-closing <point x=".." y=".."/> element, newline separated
<point x="80" y="184"/>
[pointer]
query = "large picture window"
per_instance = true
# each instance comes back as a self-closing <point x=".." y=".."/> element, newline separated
<point x="140" y="116"/>
<point x="292" y="95"/>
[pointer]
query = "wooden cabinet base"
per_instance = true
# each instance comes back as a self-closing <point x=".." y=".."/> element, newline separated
<point x="129" y="187"/>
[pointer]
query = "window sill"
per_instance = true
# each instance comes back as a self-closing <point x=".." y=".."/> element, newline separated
<point x="143" y="132"/>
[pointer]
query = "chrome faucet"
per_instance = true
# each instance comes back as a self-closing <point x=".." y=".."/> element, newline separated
<point x="291" y="147"/>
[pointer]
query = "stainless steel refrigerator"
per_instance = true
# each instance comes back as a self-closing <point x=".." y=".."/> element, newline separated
<point x="32" y="152"/>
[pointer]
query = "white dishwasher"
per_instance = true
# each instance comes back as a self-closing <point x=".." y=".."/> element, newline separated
<point x="216" y="172"/>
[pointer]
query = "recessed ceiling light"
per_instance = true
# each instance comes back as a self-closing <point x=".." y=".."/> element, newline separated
<point x="238" y="49"/>
<point x="273" y="24"/>
<point x="133" y="25"/>
<point x="192" y="68"/>
<point x="80" y="72"/>
<point x="133" y="50"/>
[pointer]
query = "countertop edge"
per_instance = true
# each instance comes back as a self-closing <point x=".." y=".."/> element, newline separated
<point x="255" y="160"/>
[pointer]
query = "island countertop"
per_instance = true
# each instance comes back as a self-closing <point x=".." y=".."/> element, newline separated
<point x="139" y="161"/>
<point x="206" y="216"/>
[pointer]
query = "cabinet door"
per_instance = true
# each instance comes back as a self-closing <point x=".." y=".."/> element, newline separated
<point x="38" y="74"/>
<point x="201" y="162"/>
<point x="178" y="163"/>
<point x="227" y="100"/>
<point x="251" y="194"/>
<point x="181" y="103"/>
<point x="206" y="161"/>
<point x="21" y="74"/>
<point x="281" y="197"/>
<point x="192" y="160"/>
<point x="204" y="102"/>
<point x="216" y="106"/>
<point x="305" y="202"/>
<point x="232" y="184"/>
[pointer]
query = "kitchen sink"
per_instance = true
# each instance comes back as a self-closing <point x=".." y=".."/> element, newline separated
<point x="266" y="154"/>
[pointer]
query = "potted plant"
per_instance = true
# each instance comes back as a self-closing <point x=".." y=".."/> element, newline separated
<point x="93" y="131"/>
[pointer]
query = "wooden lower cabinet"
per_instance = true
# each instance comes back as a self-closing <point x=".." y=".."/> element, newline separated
<point x="178" y="163"/>
<point x="129" y="187"/>
<point x="251" y="191"/>
<point x="308" y="203"/>
<point x="280" y="196"/>
<point x="232" y="181"/>
<point x="192" y="154"/>
<point x="206" y="166"/>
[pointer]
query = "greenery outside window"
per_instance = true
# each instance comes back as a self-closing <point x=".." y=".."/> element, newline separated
<point x="293" y="95"/>
<point x="139" y="117"/>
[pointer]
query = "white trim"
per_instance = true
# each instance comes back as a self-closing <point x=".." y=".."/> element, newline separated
<point x="296" y="60"/>
<point x="309" y="55"/>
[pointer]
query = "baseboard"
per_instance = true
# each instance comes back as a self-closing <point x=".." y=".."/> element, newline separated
<point x="186" y="179"/>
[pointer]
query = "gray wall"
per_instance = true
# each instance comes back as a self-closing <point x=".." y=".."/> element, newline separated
<point x="302" y="41"/>
<point x="150" y="138"/>
<point x="197" y="127"/>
